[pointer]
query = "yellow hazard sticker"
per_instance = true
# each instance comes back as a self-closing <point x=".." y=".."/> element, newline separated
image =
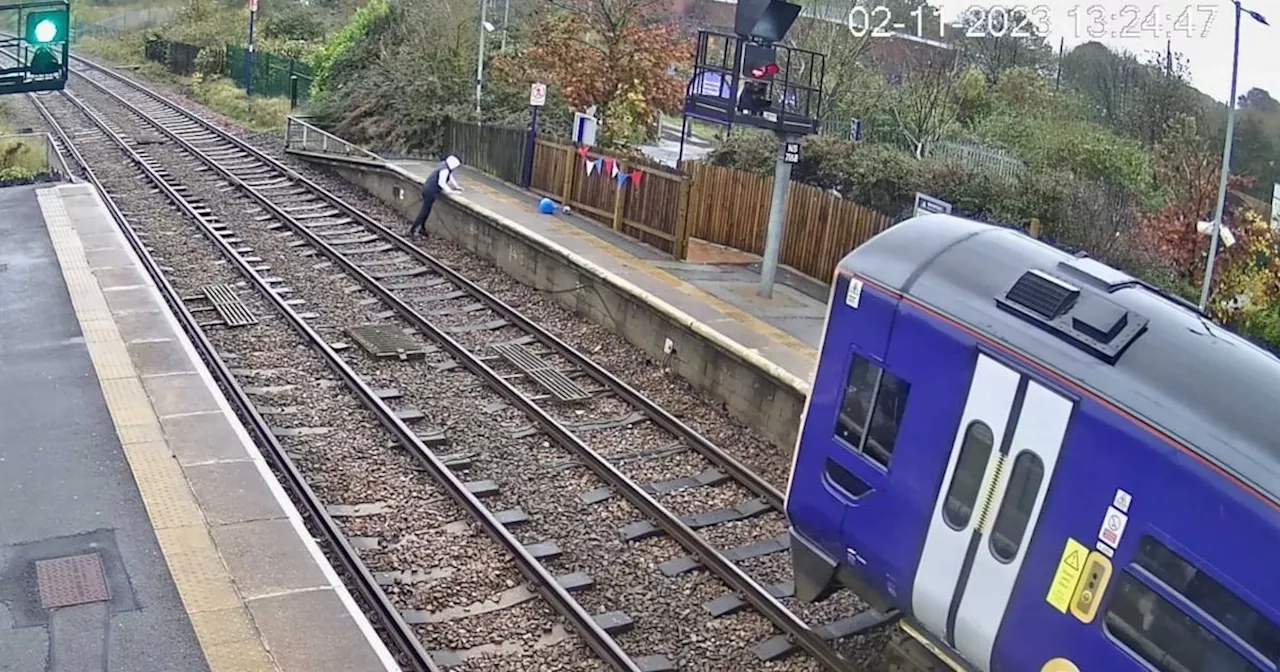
<point x="1067" y="576"/>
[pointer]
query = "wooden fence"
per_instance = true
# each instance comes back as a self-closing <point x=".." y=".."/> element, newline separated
<point x="731" y="208"/>
<point x="654" y="211"/>
<point x="494" y="150"/>
<point x="665" y="208"/>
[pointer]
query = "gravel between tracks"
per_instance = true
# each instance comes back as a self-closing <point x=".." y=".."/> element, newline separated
<point x="352" y="462"/>
<point x="632" y="366"/>
<point x="624" y="574"/>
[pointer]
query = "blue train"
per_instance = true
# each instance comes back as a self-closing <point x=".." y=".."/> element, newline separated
<point x="1041" y="462"/>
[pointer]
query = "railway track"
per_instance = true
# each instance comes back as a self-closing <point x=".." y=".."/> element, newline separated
<point x="444" y="365"/>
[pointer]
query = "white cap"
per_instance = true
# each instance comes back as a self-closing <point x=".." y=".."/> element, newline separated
<point x="452" y="162"/>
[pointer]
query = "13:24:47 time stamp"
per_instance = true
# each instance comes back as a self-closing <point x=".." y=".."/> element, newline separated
<point x="1131" y="21"/>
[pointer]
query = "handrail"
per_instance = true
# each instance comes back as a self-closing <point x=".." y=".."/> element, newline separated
<point x="300" y="135"/>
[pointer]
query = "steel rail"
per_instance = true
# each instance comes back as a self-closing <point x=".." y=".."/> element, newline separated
<point x="368" y="588"/>
<point x="659" y="415"/>
<point x="556" y="594"/>
<point x="392" y="621"/>
<point x="713" y="559"/>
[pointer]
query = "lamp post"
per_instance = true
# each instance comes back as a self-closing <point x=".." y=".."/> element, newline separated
<point x="1214" y="235"/>
<point x="480" y="58"/>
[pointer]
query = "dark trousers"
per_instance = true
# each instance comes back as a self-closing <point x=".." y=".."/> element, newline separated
<point x="420" y="222"/>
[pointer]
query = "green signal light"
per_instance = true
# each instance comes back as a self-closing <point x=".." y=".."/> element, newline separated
<point x="46" y="30"/>
<point x="45" y="27"/>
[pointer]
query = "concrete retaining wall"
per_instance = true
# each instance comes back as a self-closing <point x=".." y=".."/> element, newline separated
<point x="758" y="393"/>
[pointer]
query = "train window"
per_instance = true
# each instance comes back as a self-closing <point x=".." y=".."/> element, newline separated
<point x="1015" y="509"/>
<point x="1156" y="630"/>
<point x="962" y="495"/>
<point x="1210" y="596"/>
<point x="871" y="411"/>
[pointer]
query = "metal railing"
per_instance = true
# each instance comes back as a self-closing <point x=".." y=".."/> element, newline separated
<point x="53" y="159"/>
<point x="304" y="137"/>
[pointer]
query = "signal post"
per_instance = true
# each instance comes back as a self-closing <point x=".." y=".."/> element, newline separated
<point x="749" y="78"/>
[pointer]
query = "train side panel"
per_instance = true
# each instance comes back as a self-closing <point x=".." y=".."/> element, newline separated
<point x="861" y="509"/>
<point x="1126" y="501"/>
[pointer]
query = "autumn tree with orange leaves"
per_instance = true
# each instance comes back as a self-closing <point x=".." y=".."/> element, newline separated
<point x="621" y="55"/>
<point x="1190" y="174"/>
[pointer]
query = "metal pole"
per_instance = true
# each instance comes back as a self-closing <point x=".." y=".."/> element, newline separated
<point x="531" y="144"/>
<point x="480" y="57"/>
<point x="248" y="55"/>
<point x="506" y="11"/>
<point x="777" y="213"/>
<point x="684" y="130"/>
<point x="293" y="92"/>
<point x="1226" y="168"/>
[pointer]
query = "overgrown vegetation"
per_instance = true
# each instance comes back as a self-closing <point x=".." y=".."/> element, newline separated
<point x="290" y="29"/>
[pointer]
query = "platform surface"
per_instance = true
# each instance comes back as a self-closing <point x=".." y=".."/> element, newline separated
<point x="118" y="446"/>
<point x="715" y="286"/>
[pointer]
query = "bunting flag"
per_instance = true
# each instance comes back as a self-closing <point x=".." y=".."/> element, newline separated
<point x="620" y="177"/>
<point x="636" y="177"/>
<point x="615" y="169"/>
<point x="582" y="151"/>
<point x="592" y="165"/>
<point x="608" y="165"/>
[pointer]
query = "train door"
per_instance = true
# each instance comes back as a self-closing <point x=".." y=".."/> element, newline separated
<point x="1002" y="460"/>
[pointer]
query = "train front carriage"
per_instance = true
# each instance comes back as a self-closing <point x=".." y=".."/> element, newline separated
<point x="1041" y="462"/>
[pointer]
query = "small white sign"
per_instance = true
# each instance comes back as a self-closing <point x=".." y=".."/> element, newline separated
<point x="1122" y="500"/>
<point x="1106" y="550"/>
<point x="537" y="94"/>
<point x="854" y="295"/>
<point x="1113" y="525"/>
<point x="253" y="5"/>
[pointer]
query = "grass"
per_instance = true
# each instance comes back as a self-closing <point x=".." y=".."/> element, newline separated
<point x="222" y="95"/>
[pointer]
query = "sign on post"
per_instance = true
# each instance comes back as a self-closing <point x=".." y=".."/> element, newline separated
<point x="253" y="5"/>
<point x="537" y="94"/>
<point x="792" y="153"/>
<point x="928" y="205"/>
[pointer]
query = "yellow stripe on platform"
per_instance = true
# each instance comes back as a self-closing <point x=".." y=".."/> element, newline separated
<point x="227" y="635"/>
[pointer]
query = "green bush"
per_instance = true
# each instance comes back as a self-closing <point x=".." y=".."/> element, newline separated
<point x="356" y="30"/>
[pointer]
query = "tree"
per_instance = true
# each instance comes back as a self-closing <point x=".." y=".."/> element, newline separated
<point x="1190" y="173"/>
<point x="1260" y="100"/>
<point x="923" y="105"/>
<point x="1007" y="41"/>
<point x="620" y="55"/>
<point x="1248" y="279"/>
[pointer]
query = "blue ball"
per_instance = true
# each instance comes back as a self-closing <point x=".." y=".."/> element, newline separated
<point x="547" y="206"/>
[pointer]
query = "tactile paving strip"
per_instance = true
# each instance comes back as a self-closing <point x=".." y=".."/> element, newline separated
<point x="71" y="580"/>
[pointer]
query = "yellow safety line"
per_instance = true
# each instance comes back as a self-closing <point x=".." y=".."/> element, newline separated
<point x="222" y="624"/>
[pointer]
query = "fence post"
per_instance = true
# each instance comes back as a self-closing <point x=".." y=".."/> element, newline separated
<point x="569" y="153"/>
<point x="680" y="246"/>
<point x="619" y="204"/>
<point x="1034" y="228"/>
<point x="293" y="91"/>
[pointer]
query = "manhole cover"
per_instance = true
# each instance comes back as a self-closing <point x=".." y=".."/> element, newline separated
<point x="76" y="579"/>
<point x="385" y="340"/>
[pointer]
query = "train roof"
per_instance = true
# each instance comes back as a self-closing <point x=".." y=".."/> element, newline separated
<point x="1148" y="353"/>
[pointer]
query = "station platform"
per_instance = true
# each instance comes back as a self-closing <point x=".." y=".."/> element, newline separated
<point x="715" y="285"/>
<point x="141" y="529"/>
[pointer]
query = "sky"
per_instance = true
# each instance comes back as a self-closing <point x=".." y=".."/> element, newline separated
<point x="1208" y="49"/>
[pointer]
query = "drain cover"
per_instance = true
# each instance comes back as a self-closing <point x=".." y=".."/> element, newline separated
<point x="75" y="579"/>
<point x="385" y="340"/>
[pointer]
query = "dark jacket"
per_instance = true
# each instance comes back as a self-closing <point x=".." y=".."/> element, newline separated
<point x="431" y="187"/>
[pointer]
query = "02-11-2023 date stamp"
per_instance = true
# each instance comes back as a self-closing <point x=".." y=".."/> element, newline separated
<point x="1082" y="21"/>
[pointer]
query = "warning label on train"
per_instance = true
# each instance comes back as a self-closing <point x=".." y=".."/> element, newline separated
<point x="1067" y="576"/>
